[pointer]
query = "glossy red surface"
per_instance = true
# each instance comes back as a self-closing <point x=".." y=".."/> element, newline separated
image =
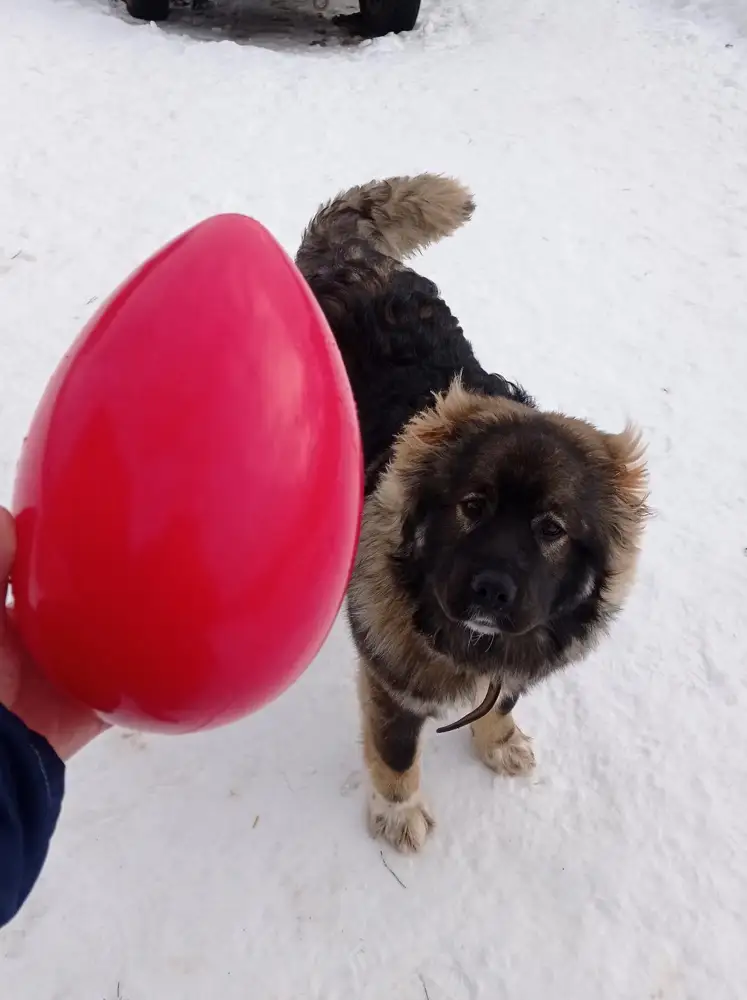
<point x="188" y="497"/>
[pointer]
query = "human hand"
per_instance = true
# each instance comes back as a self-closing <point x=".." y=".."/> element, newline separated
<point x="24" y="690"/>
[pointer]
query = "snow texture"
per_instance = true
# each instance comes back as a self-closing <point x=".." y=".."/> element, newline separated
<point x="606" y="269"/>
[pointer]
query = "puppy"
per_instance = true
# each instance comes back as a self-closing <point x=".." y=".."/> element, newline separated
<point x="498" y="541"/>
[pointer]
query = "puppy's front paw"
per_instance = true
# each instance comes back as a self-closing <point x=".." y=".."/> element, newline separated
<point x="405" y="825"/>
<point x="512" y="756"/>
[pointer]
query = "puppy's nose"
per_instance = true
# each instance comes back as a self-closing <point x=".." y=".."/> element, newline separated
<point x="494" y="590"/>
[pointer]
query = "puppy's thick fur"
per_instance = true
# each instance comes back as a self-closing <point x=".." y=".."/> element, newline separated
<point x="498" y="541"/>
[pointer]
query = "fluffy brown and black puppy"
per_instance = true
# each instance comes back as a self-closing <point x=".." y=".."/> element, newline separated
<point x="498" y="541"/>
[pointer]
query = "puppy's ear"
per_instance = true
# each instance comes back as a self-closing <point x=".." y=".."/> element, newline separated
<point x="451" y="413"/>
<point x="425" y="434"/>
<point x="629" y="482"/>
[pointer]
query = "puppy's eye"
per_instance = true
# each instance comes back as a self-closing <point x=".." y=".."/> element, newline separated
<point x="473" y="507"/>
<point x="549" y="529"/>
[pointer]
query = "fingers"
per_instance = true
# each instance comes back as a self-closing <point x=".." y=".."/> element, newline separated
<point x="7" y="550"/>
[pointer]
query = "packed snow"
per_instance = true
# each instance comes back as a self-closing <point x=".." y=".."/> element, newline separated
<point x="605" y="269"/>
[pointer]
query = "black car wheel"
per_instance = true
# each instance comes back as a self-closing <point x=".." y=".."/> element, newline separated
<point x="148" y="10"/>
<point x="379" y="17"/>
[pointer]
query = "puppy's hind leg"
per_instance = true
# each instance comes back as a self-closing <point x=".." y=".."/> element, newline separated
<point x="500" y="744"/>
<point x="391" y="749"/>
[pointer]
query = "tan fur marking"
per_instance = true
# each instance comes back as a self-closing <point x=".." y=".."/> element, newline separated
<point x="395" y="787"/>
<point x="396" y="810"/>
<point x="492" y="729"/>
<point x="501" y="745"/>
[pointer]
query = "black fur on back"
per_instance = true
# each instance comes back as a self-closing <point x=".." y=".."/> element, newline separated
<point x="400" y="343"/>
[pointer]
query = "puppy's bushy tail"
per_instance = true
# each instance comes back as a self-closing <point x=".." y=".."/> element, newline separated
<point x="397" y="217"/>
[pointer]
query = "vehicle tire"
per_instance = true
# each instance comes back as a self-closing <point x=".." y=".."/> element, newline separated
<point x="379" y="17"/>
<point x="148" y="10"/>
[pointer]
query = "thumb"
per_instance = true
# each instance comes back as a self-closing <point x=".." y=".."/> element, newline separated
<point x="7" y="551"/>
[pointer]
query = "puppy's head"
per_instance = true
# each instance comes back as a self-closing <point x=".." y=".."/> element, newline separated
<point x="513" y="522"/>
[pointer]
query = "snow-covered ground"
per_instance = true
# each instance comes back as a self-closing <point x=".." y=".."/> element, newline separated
<point x="606" y="268"/>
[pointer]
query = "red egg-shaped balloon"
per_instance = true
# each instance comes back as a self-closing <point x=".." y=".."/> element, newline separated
<point x="188" y="497"/>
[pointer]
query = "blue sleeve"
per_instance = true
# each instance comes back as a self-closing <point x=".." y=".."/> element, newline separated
<point x="32" y="783"/>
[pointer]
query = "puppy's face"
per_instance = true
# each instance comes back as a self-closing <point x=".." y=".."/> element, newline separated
<point x="506" y="531"/>
<point x="517" y="524"/>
